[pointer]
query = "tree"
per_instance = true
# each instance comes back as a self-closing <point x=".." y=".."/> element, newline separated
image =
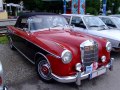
<point x="92" y="6"/>
<point x="33" y="4"/>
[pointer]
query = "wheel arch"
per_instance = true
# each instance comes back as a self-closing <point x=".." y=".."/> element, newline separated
<point x="40" y="55"/>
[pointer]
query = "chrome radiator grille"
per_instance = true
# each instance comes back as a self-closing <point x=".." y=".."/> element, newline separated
<point x="89" y="53"/>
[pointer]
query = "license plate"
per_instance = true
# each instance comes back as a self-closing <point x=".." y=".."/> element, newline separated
<point x="88" y="69"/>
<point x="97" y="73"/>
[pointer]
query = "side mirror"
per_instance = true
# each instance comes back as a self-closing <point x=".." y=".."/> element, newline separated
<point x="25" y="29"/>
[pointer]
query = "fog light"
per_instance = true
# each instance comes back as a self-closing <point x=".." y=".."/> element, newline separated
<point x="103" y="58"/>
<point x="78" y="66"/>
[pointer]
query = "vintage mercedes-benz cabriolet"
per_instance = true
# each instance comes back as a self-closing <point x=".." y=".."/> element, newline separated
<point x="58" y="53"/>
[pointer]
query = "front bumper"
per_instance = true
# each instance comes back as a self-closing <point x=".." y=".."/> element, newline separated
<point x="81" y="75"/>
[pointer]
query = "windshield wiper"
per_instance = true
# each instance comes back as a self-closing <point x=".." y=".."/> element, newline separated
<point x="93" y="26"/>
<point x="101" y="25"/>
<point x="58" y="25"/>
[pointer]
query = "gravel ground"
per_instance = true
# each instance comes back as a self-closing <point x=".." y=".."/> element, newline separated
<point x="20" y="74"/>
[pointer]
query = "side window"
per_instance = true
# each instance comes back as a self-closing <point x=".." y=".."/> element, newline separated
<point x="77" y="21"/>
<point x="108" y="22"/>
<point x="68" y="18"/>
<point x="22" y="23"/>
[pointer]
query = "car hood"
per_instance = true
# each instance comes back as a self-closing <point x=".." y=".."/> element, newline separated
<point x="64" y="38"/>
<point x="110" y="34"/>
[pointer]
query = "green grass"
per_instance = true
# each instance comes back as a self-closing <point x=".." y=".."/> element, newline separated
<point x="3" y="40"/>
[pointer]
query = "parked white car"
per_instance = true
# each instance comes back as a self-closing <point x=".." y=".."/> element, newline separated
<point x="94" y="25"/>
<point x="111" y="22"/>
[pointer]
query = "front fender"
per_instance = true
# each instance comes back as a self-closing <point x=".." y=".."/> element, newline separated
<point x="50" y="46"/>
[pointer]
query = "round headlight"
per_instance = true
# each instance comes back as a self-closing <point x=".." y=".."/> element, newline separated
<point x="66" y="56"/>
<point x="108" y="46"/>
<point x="103" y="58"/>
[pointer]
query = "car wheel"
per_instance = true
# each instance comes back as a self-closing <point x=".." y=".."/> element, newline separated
<point x="44" y="70"/>
<point x="11" y="43"/>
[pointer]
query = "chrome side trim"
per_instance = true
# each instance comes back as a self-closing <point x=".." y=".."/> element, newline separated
<point x="24" y="55"/>
<point x="39" y="47"/>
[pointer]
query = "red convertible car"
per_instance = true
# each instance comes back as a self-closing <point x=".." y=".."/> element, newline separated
<point x="59" y="53"/>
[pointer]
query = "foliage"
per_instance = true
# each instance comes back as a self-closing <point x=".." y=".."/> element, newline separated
<point x="38" y="5"/>
<point x="3" y="40"/>
<point x="33" y="4"/>
<point x="92" y="6"/>
<point x="91" y="10"/>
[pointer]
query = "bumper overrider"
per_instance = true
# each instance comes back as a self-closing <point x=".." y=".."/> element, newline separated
<point x="82" y="75"/>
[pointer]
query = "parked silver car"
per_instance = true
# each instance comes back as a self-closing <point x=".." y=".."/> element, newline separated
<point x="2" y="86"/>
<point x="115" y="15"/>
<point x="111" y="22"/>
<point x="95" y="26"/>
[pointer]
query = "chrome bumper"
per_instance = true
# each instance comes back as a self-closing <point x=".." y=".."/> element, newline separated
<point x="80" y="75"/>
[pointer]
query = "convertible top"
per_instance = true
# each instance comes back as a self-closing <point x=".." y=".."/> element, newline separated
<point x="30" y="14"/>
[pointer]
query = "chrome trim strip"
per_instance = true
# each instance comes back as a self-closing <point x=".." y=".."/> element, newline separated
<point x="66" y="79"/>
<point x="39" y="47"/>
<point x="24" y="55"/>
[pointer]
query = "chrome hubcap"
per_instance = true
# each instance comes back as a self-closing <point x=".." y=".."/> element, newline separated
<point x="44" y="70"/>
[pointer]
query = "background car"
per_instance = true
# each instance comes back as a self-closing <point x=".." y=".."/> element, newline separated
<point x="2" y="85"/>
<point x="115" y="15"/>
<point x="59" y="53"/>
<point x="111" y="22"/>
<point x="94" y="25"/>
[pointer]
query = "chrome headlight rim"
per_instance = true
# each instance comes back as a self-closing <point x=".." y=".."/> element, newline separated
<point x="108" y="46"/>
<point x="63" y="56"/>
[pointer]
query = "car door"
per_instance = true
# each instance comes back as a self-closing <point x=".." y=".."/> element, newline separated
<point x="23" y="40"/>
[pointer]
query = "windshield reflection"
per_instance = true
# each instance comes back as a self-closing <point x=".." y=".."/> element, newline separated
<point x="41" y="22"/>
<point x="94" y="22"/>
<point x="116" y="21"/>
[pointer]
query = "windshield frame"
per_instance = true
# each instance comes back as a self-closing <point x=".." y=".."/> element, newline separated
<point x="116" y="21"/>
<point x="96" y="27"/>
<point x="47" y="28"/>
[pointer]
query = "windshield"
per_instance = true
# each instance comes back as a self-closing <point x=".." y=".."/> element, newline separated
<point x="51" y="21"/>
<point x="94" y="22"/>
<point x="116" y="21"/>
